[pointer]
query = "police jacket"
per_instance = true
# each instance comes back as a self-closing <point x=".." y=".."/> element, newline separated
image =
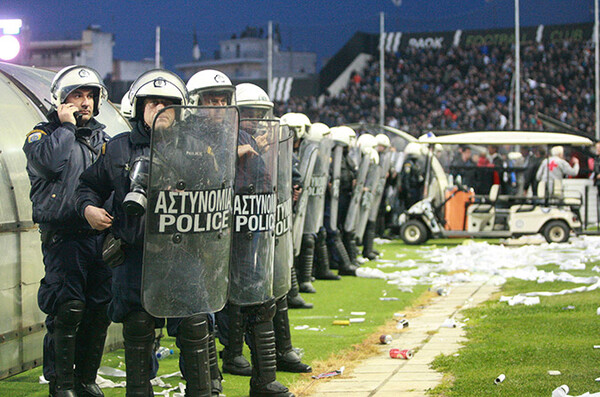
<point x="296" y="175"/>
<point x="57" y="153"/>
<point x="111" y="174"/>
<point x="347" y="175"/>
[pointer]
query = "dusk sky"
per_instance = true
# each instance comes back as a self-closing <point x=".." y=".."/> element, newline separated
<point x="317" y="26"/>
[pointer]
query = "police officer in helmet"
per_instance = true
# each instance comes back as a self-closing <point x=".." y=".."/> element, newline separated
<point x="254" y="103"/>
<point x="75" y="290"/>
<point x="149" y="95"/>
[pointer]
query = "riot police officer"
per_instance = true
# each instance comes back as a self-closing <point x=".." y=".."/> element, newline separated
<point x="254" y="103"/>
<point x="75" y="290"/>
<point x="303" y="160"/>
<point x="383" y="148"/>
<point x="251" y="305"/>
<point x="149" y="94"/>
<point x="337" y="201"/>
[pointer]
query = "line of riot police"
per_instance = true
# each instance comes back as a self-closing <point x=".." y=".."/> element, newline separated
<point x="154" y="250"/>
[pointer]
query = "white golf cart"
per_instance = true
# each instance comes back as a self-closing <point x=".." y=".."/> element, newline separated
<point x="461" y="213"/>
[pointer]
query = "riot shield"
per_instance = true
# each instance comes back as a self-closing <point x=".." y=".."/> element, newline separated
<point x="353" y="209"/>
<point x="284" y="245"/>
<point x="316" y="189"/>
<point x="308" y="159"/>
<point x="385" y="161"/>
<point x="254" y="212"/>
<point x="366" y="201"/>
<point x="188" y="236"/>
<point x="337" y="157"/>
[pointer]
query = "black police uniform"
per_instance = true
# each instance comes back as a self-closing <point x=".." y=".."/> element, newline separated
<point x="75" y="290"/>
<point x="233" y="321"/>
<point x="110" y="174"/>
<point x="343" y="247"/>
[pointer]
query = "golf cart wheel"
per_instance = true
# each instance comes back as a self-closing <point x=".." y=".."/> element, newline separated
<point x="413" y="232"/>
<point x="556" y="232"/>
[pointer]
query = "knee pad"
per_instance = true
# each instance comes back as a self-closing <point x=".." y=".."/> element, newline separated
<point x="193" y="327"/>
<point x="308" y="240"/>
<point x="70" y="313"/>
<point x="138" y="326"/>
<point x="261" y="313"/>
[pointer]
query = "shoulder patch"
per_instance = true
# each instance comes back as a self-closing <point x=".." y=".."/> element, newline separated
<point x="35" y="135"/>
<point x="103" y="151"/>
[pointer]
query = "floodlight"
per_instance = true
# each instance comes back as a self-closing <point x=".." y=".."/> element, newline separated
<point x="9" y="47"/>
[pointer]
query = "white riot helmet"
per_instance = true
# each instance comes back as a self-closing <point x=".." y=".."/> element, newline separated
<point x="415" y="148"/>
<point x="125" y="106"/>
<point x="210" y="81"/>
<point x="297" y="122"/>
<point x="73" y="77"/>
<point x="253" y="101"/>
<point x="317" y="132"/>
<point x="342" y="135"/>
<point x="373" y="155"/>
<point x="158" y="83"/>
<point x="365" y="141"/>
<point x="382" y="140"/>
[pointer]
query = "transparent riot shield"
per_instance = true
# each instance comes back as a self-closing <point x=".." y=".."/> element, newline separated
<point x="254" y="212"/>
<point x="366" y="201"/>
<point x="316" y="189"/>
<point x="308" y="159"/>
<point x="188" y="235"/>
<point x="354" y="207"/>
<point x="284" y="245"/>
<point x="385" y="162"/>
<point x="337" y="157"/>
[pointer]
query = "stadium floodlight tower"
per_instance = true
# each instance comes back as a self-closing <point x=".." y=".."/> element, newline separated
<point x="9" y="44"/>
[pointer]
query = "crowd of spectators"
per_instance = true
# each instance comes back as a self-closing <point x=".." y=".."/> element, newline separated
<point x="465" y="89"/>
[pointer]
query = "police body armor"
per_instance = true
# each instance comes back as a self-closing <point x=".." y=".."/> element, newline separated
<point x="366" y="200"/>
<point x="385" y="161"/>
<point x="353" y="210"/>
<point x="317" y="187"/>
<point x="254" y="213"/>
<point x="308" y="158"/>
<point x="337" y="156"/>
<point x="188" y="231"/>
<point x="284" y="244"/>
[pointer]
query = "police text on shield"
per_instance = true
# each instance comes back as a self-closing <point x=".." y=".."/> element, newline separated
<point x="193" y="211"/>
<point x="254" y="212"/>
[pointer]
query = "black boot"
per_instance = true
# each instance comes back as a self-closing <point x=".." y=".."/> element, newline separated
<point x="215" y="373"/>
<point x="88" y="355"/>
<point x="305" y="264"/>
<point x="322" y="271"/>
<point x="287" y="359"/>
<point x="368" y="238"/>
<point x="263" y="382"/>
<point x="295" y="301"/>
<point x="233" y="360"/>
<point x="68" y="318"/>
<point x="138" y="339"/>
<point x="193" y="337"/>
<point x="349" y="241"/>
<point x="346" y="268"/>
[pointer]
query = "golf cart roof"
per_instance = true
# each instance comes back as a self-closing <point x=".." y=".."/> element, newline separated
<point x="528" y="138"/>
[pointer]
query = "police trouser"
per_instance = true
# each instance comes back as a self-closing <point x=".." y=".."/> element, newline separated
<point x="126" y="308"/>
<point x="75" y="272"/>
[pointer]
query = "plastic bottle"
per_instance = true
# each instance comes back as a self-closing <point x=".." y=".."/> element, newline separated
<point x="163" y="352"/>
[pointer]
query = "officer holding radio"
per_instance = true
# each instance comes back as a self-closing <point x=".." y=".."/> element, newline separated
<point x="75" y="290"/>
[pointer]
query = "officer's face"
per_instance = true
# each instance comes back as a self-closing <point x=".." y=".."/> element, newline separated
<point x="152" y="106"/>
<point x="215" y="99"/>
<point x="83" y="99"/>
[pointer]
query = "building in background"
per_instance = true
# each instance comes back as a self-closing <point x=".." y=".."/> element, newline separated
<point x="244" y="59"/>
